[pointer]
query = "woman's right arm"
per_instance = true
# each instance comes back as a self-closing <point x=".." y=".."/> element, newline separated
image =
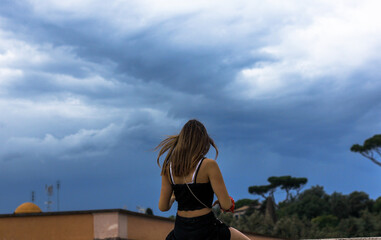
<point x="166" y="194"/>
<point x="218" y="184"/>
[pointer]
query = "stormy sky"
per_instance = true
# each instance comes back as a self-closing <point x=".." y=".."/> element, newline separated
<point x="88" y="88"/>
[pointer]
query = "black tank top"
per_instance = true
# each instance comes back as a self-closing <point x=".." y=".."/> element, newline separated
<point x="203" y="191"/>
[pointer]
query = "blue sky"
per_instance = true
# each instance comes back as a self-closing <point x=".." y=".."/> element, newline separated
<point x="89" y="88"/>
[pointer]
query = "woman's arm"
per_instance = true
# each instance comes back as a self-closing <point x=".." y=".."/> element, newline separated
<point x="166" y="197"/>
<point x="218" y="184"/>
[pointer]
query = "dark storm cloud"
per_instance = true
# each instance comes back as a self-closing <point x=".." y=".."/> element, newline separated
<point x="148" y="54"/>
<point x="99" y="94"/>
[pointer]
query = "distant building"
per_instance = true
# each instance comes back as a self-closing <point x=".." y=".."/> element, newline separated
<point x="240" y="211"/>
<point x="28" y="222"/>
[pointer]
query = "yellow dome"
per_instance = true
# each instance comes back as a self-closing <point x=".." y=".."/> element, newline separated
<point x="28" y="207"/>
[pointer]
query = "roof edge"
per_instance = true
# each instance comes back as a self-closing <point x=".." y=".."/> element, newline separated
<point x="123" y="211"/>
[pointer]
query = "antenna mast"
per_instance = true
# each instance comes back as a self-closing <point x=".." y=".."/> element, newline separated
<point x="32" y="196"/>
<point x="49" y="192"/>
<point x="58" y="195"/>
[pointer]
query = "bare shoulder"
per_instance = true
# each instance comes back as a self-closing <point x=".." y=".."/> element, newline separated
<point x="210" y="164"/>
<point x="166" y="176"/>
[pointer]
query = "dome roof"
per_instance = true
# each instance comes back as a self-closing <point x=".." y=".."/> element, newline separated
<point x="28" y="207"/>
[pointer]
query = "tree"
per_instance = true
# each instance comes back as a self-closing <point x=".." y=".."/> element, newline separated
<point x="290" y="227"/>
<point x="149" y="211"/>
<point x="377" y="206"/>
<point x="264" y="190"/>
<point x="325" y="221"/>
<point x="267" y="192"/>
<point x="270" y="215"/>
<point x="370" y="148"/>
<point x="246" y="202"/>
<point x="339" y="205"/>
<point x="288" y="183"/>
<point x="358" y="201"/>
<point x="312" y="202"/>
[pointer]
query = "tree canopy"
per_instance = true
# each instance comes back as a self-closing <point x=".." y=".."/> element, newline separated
<point x="263" y="190"/>
<point x="370" y="149"/>
<point x="286" y="183"/>
<point x="149" y="211"/>
<point x="246" y="202"/>
<point x="312" y="214"/>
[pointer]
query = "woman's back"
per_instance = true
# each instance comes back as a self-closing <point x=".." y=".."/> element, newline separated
<point x="193" y="192"/>
<point x="201" y="175"/>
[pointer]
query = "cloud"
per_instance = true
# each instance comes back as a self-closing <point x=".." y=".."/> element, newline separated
<point x="44" y="68"/>
<point x="244" y="62"/>
<point x="139" y="127"/>
<point x="83" y="144"/>
<point x="331" y="47"/>
<point x="281" y="86"/>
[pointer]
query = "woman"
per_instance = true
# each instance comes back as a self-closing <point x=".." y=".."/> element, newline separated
<point x="192" y="180"/>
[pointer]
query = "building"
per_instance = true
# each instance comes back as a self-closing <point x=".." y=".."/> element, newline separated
<point x="28" y="222"/>
<point x="240" y="211"/>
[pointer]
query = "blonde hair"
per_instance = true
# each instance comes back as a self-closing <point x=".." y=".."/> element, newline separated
<point x="185" y="149"/>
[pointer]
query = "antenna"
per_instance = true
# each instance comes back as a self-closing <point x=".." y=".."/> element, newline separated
<point x="49" y="192"/>
<point x="141" y="209"/>
<point x="58" y="194"/>
<point x="32" y="196"/>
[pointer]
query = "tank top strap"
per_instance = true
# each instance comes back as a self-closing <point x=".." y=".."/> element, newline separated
<point x="170" y="171"/>
<point x="196" y="171"/>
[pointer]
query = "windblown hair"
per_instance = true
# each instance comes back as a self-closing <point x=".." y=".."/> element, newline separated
<point x="185" y="149"/>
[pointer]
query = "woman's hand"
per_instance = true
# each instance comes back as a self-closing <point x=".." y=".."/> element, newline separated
<point x="217" y="202"/>
<point x="231" y="209"/>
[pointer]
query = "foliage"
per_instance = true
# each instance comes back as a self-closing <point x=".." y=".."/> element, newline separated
<point x="290" y="228"/>
<point x="246" y="202"/>
<point x="261" y="190"/>
<point x="286" y="183"/>
<point x="312" y="203"/>
<point x="149" y="211"/>
<point x="325" y="221"/>
<point x="358" y="201"/>
<point x="314" y="214"/>
<point x="370" y="149"/>
<point x="339" y="205"/>
<point x="377" y="205"/>
<point x="227" y="218"/>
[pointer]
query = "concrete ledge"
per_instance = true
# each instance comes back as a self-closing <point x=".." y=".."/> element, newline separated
<point x="356" y="238"/>
<point x="85" y="212"/>
<point x="117" y="238"/>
